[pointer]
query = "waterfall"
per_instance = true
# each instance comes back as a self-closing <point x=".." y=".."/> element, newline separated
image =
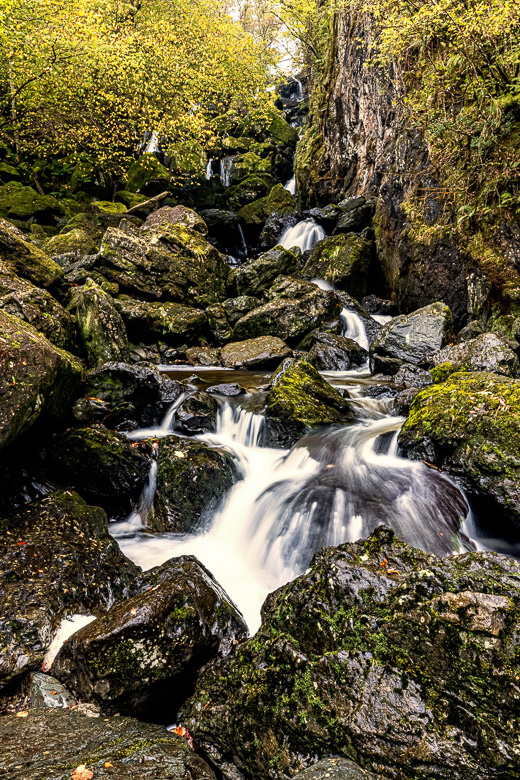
<point x="243" y="240"/>
<point x="226" y="166"/>
<point x="209" y="169"/>
<point x="291" y="186"/>
<point x="303" y="235"/>
<point x="299" y="89"/>
<point x="152" y="145"/>
<point x="354" y="328"/>
<point x="165" y="427"/>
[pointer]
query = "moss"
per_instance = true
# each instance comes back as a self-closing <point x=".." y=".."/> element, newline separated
<point x="23" y="203"/>
<point x="343" y="260"/>
<point x="250" y="189"/>
<point x="75" y="241"/>
<point x="146" y="169"/>
<point x="107" y="207"/>
<point x="441" y="372"/>
<point x="279" y="200"/>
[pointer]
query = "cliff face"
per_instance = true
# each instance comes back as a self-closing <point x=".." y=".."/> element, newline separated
<point x="358" y="143"/>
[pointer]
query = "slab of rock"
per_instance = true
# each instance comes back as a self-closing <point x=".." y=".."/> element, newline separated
<point x="197" y="414"/>
<point x="487" y="352"/>
<point x="381" y="654"/>
<point x="203" y="356"/>
<point x="37" y="380"/>
<point x="144" y="654"/>
<point x="178" y="215"/>
<point x="56" y="560"/>
<point x="151" y="320"/>
<point x="256" y="277"/>
<point x="25" y="258"/>
<point x="262" y="352"/>
<point x="100" y="325"/>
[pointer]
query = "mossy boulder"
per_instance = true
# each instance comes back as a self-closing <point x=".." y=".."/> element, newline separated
<point x="343" y="260"/>
<point x="130" y="199"/>
<point x="100" y="325"/>
<point x="25" y="258"/>
<point x="248" y="164"/>
<point x="197" y="414"/>
<point x="8" y="173"/>
<point x="250" y="189"/>
<point x="279" y="201"/>
<point x="236" y="308"/>
<point x="178" y="215"/>
<point x="379" y="653"/>
<point x="300" y="400"/>
<point x="470" y="426"/>
<point x="25" y="204"/>
<point x="147" y="650"/>
<point x="487" y="352"/>
<point x="56" y="559"/>
<point x="76" y="241"/>
<point x="280" y="130"/>
<point x="151" y="320"/>
<point x="108" y="207"/>
<point x="37" y="380"/>
<point x="331" y="352"/>
<point x="192" y="479"/>
<point x="147" y="175"/>
<point x="256" y="277"/>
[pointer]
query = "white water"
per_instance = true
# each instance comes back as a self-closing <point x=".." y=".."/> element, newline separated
<point x="209" y="169"/>
<point x="65" y="630"/>
<point x="291" y="186"/>
<point x="152" y="144"/>
<point x="226" y="166"/>
<point x="299" y="89"/>
<point x="354" y="328"/>
<point x="165" y="428"/>
<point x="303" y="235"/>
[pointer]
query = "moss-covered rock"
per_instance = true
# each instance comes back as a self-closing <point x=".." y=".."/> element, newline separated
<point x="178" y="215"/>
<point x="280" y="130"/>
<point x="278" y="201"/>
<point x="192" y="479"/>
<point x="262" y="352"/>
<point x="400" y="660"/>
<point x="300" y="400"/>
<point x="37" y="380"/>
<point x="343" y="260"/>
<point x="25" y="204"/>
<point x="130" y="199"/>
<point x="248" y="164"/>
<point x="170" y="322"/>
<point x="149" y="648"/>
<point x="147" y="174"/>
<point x="8" y="173"/>
<point x="487" y="352"/>
<point x="25" y="258"/>
<point x="257" y="276"/>
<point x="197" y="414"/>
<point x="236" y="308"/>
<point x="75" y="241"/>
<point x="100" y="325"/>
<point x="56" y="559"/>
<point x="250" y="189"/>
<point x="470" y="426"/>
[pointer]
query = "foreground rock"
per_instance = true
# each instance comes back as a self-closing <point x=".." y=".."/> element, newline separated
<point x="382" y="654"/>
<point x="145" y="652"/>
<point x="53" y="743"/>
<point x="470" y="426"/>
<point x="300" y="400"/>
<point x="56" y="559"/>
<point x="192" y="478"/>
<point x="37" y="380"/>
<point x="262" y="352"/>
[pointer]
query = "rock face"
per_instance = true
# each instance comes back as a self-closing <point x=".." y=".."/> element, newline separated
<point x="262" y="352"/>
<point x="301" y="399"/>
<point x="412" y="338"/>
<point x="487" y="352"/>
<point x="343" y="260"/>
<point x="147" y="649"/>
<point x="37" y="380"/>
<point x="192" y="479"/>
<point x="334" y="769"/>
<point x="101" y="327"/>
<point x="381" y="653"/>
<point x="56" y="559"/>
<point x="469" y="426"/>
<point x="52" y="743"/>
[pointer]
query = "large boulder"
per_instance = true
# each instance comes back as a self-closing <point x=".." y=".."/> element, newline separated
<point x="331" y="352"/>
<point x="56" y="559"/>
<point x="100" y="325"/>
<point x="58" y="743"/>
<point x="250" y="189"/>
<point x="288" y="318"/>
<point x="256" y="277"/>
<point x="335" y="769"/>
<point x="300" y="400"/>
<point x="23" y="204"/>
<point x="37" y="380"/>
<point x="380" y="653"/>
<point x="487" y="352"/>
<point x="146" y="651"/>
<point x="192" y="478"/>
<point x="236" y="308"/>
<point x="412" y="338"/>
<point x="76" y="242"/>
<point x="197" y="414"/>
<point x="470" y="426"/>
<point x="102" y="466"/>
<point x="343" y="260"/>
<point x="279" y="201"/>
<point x="25" y="258"/>
<point x="152" y="320"/>
<point x="248" y="164"/>
<point x="178" y="215"/>
<point x="262" y="352"/>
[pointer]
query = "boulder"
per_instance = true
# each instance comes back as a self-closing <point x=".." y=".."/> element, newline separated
<point x="412" y="338"/>
<point x="288" y="287"/>
<point x="102" y="466"/>
<point x="223" y="230"/>
<point x="192" y="479"/>
<point x="300" y="400"/>
<point x="356" y="215"/>
<point x="56" y="559"/>
<point x="25" y="258"/>
<point x="37" y="380"/>
<point x="178" y="215"/>
<point x="470" y="426"/>
<point x="412" y="376"/>
<point x="335" y="769"/>
<point x="257" y="276"/>
<point x="75" y="242"/>
<point x="379" y="653"/>
<point x="21" y="203"/>
<point x="197" y="414"/>
<point x="279" y="201"/>
<point x="487" y="352"/>
<point x="147" y="176"/>
<point x="218" y="324"/>
<point x="236" y="308"/>
<point x="336" y="353"/>
<point x="230" y="389"/>
<point x="145" y="652"/>
<point x="262" y="352"/>
<point x="250" y="189"/>
<point x="343" y="260"/>
<point x="275" y="226"/>
<point x="288" y="318"/>
<point x="248" y="164"/>
<point x="46" y="691"/>
<point x="57" y="743"/>
<point x="100" y="325"/>
<point x="203" y="356"/>
<point x="152" y="320"/>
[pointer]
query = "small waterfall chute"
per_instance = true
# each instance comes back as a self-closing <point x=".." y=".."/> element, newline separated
<point x="165" y="427"/>
<point x="299" y="89"/>
<point x="290" y="186"/>
<point x="226" y="167"/>
<point x="354" y="328"/>
<point x="209" y="169"/>
<point x="303" y="235"/>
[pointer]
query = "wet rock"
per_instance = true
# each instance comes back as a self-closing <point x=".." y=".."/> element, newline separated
<point x="76" y="242"/>
<point x="54" y="742"/>
<point x="236" y="308"/>
<point x="192" y="479"/>
<point x="403" y="400"/>
<point x="172" y="322"/>
<point x="256" y="277"/>
<point x="412" y="338"/>
<point x="469" y="426"/>
<point x="356" y="215"/>
<point x="262" y="352"/>
<point x="299" y="400"/>
<point x="218" y="324"/>
<point x="381" y="653"/>
<point x="178" y="215"/>
<point x="197" y="414"/>
<point x="45" y="691"/>
<point x="288" y="287"/>
<point x="102" y="466"/>
<point x="25" y="258"/>
<point x="413" y="376"/>
<point x="227" y="389"/>
<point x="100" y="325"/>
<point x="203" y="356"/>
<point x="289" y="319"/>
<point x="471" y="331"/>
<point x="279" y="201"/>
<point x="374" y="305"/>
<point x="275" y="226"/>
<point x="144" y="654"/>
<point x="56" y="559"/>
<point x="487" y="352"/>
<point x="250" y="189"/>
<point x="37" y="380"/>
<point x="334" y="769"/>
<point x="336" y="353"/>
<point x="372" y="328"/>
<point x="326" y="216"/>
<point x="343" y="260"/>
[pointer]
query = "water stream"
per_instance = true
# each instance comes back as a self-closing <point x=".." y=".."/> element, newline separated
<point x="303" y="235"/>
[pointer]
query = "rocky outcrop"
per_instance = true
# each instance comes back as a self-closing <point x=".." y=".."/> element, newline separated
<point x="101" y="327"/>
<point x="381" y="654"/>
<point x="262" y="352"/>
<point x="145" y="652"/>
<point x="343" y="260"/>
<point x="487" y="352"/>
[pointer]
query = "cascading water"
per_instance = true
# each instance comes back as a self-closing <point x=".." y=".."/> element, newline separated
<point x="303" y="235"/>
<point x="226" y="166"/>
<point x="299" y="89"/>
<point x="209" y="169"/>
<point x="353" y="328"/>
<point x="291" y="186"/>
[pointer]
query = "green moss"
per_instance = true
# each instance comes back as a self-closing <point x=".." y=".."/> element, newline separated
<point x="146" y="169"/>
<point x="279" y="200"/>
<point x="441" y="372"/>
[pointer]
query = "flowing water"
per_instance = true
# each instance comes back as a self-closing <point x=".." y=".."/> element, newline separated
<point x="226" y="166"/>
<point x="303" y="235"/>
<point x="335" y="485"/>
<point x="291" y="186"/>
<point x="209" y="169"/>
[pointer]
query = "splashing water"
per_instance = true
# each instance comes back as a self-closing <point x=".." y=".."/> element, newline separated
<point x="291" y="186"/>
<point x="303" y="235"/>
<point x="354" y="328"/>
<point x="226" y="166"/>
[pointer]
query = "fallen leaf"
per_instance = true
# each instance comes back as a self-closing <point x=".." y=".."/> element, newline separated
<point x="182" y="732"/>
<point x="108" y="763"/>
<point x="82" y="773"/>
<point x="23" y="714"/>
